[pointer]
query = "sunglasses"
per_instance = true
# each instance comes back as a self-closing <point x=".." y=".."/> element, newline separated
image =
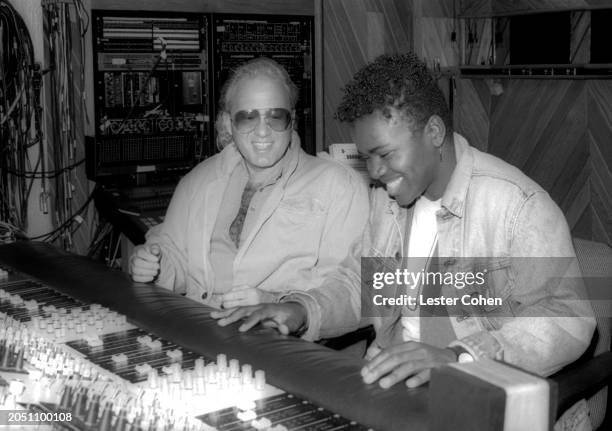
<point x="278" y="119"/>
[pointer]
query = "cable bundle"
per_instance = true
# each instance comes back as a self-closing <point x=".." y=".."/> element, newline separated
<point x="21" y="80"/>
<point x="20" y="129"/>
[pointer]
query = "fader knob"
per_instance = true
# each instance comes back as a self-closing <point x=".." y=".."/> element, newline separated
<point x="107" y="417"/>
<point x="260" y="380"/>
<point x="221" y="362"/>
<point x="198" y="368"/>
<point x="92" y="412"/>
<point x="66" y="400"/>
<point x="234" y="368"/>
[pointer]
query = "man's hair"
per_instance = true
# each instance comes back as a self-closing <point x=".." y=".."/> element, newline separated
<point x="261" y="66"/>
<point x="399" y="81"/>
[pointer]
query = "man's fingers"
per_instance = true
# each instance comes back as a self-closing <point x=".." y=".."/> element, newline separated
<point x="235" y="315"/>
<point x="221" y="313"/>
<point x="419" y="379"/>
<point x="142" y="278"/>
<point x="251" y="321"/>
<point x="384" y="363"/>
<point x="142" y="270"/>
<point x="283" y="329"/>
<point x="232" y="296"/>
<point x="262" y="314"/>
<point x="398" y="349"/>
<point x="280" y="327"/>
<point x="234" y="303"/>
<point x="400" y="372"/>
<point x="372" y="351"/>
<point x="378" y="367"/>
<point x="138" y="263"/>
<point x="147" y="257"/>
<point x="239" y="298"/>
<point x="276" y="316"/>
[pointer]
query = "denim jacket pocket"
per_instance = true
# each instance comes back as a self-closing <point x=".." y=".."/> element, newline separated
<point x="377" y="265"/>
<point x="491" y="300"/>
<point x="492" y="287"/>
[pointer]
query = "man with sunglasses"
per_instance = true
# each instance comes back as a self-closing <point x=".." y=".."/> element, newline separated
<point x="262" y="217"/>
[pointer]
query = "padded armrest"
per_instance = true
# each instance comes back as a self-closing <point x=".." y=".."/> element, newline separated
<point x="583" y="380"/>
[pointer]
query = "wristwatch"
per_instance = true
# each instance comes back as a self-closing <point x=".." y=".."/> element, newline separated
<point x="462" y="354"/>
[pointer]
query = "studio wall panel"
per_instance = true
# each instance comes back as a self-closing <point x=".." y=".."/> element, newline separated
<point x="355" y="32"/>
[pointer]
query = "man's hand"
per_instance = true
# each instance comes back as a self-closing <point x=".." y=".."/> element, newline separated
<point x="286" y="317"/>
<point x="144" y="263"/>
<point x="241" y="296"/>
<point x="410" y="360"/>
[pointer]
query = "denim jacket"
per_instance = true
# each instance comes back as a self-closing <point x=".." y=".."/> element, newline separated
<point x="489" y="210"/>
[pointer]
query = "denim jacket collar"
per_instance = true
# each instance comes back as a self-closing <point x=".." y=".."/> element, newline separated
<point x="455" y="194"/>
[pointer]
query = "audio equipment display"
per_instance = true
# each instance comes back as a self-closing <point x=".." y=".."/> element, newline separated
<point x="151" y="90"/>
<point x="158" y="77"/>
<point x="286" y="39"/>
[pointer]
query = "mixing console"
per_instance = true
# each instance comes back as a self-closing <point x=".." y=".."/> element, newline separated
<point x="89" y="368"/>
<point x="87" y="349"/>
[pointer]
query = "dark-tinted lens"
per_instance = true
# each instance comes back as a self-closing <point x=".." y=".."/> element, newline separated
<point x="278" y="119"/>
<point x="245" y="121"/>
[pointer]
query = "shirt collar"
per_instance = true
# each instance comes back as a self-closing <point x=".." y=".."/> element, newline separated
<point x="455" y="194"/>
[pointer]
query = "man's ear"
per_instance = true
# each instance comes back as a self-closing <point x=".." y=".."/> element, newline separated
<point x="435" y="129"/>
<point x="227" y="122"/>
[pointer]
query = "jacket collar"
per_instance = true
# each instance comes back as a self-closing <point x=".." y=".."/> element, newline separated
<point x="231" y="157"/>
<point x="455" y="194"/>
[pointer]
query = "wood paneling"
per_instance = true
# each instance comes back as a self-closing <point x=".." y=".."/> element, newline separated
<point x="580" y="37"/>
<point x="471" y="111"/>
<point x="477" y="41"/>
<point x="355" y="32"/>
<point x="537" y="126"/>
<point x="432" y="30"/>
<point x="557" y="132"/>
<point x="487" y="8"/>
<point x="600" y="131"/>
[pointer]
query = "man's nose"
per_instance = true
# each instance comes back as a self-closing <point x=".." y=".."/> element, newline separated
<point x="262" y="128"/>
<point x="376" y="168"/>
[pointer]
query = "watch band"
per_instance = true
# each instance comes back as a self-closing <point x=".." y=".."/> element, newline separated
<point x="462" y="355"/>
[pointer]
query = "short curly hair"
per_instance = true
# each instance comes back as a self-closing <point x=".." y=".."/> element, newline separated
<point x="260" y="66"/>
<point x="400" y="81"/>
